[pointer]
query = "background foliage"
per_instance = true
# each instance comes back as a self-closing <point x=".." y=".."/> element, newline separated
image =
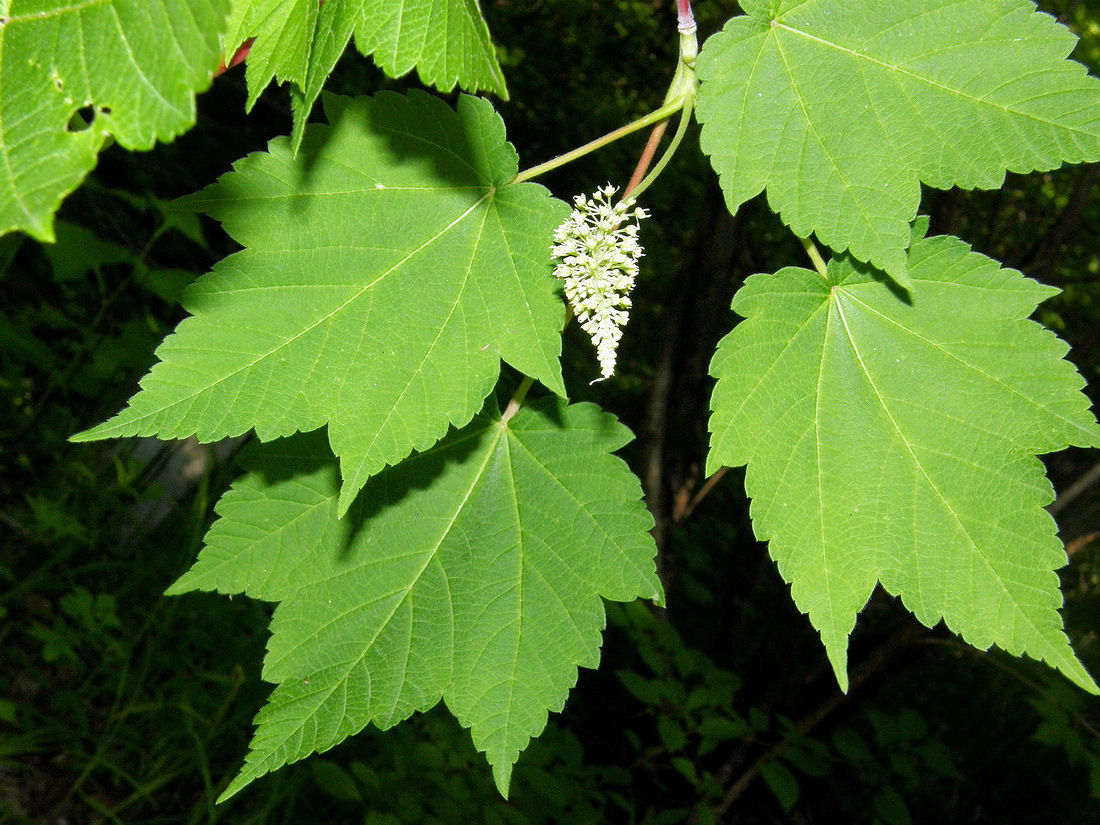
<point x="120" y="705"/>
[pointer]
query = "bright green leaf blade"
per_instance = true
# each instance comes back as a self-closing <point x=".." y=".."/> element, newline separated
<point x="471" y="572"/>
<point x="387" y="269"/>
<point x="840" y="109"/>
<point x="284" y="31"/>
<point x="445" y="41"/>
<point x="138" y="62"/>
<point x="895" y="442"/>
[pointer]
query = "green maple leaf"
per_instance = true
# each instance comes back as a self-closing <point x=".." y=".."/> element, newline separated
<point x="387" y="269"/>
<point x="139" y="63"/>
<point x="297" y="41"/>
<point x="840" y="109"/>
<point x="471" y="572"/>
<point x="895" y="442"/>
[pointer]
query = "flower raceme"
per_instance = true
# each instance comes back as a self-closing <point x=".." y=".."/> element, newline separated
<point x="598" y="261"/>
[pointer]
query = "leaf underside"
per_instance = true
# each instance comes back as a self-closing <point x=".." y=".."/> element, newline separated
<point x="387" y="269"/>
<point x="299" y="42"/>
<point x="471" y="572"/>
<point x="895" y="442"/>
<point x="840" y="110"/>
<point x="137" y="63"/>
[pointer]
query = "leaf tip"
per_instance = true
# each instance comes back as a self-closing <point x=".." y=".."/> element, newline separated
<point x="111" y="428"/>
<point x="556" y="384"/>
<point x="1073" y="670"/>
<point x="180" y="586"/>
<point x="90" y="434"/>
<point x="502" y="776"/>
<point x="900" y="276"/>
<point x="301" y="106"/>
<point x="1089" y="686"/>
<point x="43" y="231"/>
<point x="239" y="783"/>
<point x="919" y="229"/>
<point x="837" y="651"/>
<point x="348" y="492"/>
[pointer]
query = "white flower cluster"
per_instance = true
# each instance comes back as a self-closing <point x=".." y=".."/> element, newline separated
<point x="598" y="260"/>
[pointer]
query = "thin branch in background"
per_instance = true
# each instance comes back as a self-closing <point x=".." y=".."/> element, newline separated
<point x="15" y="524"/>
<point x="1080" y="543"/>
<point x="993" y="221"/>
<point x="997" y="662"/>
<point x="875" y="662"/>
<point x="708" y="485"/>
<point x="695" y="318"/>
<point x="92" y="338"/>
<point x="1074" y="491"/>
<point x="1040" y="261"/>
<point x="1065" y="16"/>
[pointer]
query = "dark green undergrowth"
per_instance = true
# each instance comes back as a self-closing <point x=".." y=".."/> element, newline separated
<point x="121" y="705"/>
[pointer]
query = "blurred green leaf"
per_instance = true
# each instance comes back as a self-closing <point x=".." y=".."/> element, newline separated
<point x="780" y="781"/>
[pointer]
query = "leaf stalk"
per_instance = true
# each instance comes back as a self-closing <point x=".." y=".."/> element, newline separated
<point x="681" y="130"/>
<point x="815" y="256"/>
<point x="667" y="110"/>
<point x="517" y="400"/>
<point x="683" y="86"/>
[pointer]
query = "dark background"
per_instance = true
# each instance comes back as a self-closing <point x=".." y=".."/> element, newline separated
<point x="119" y="705"/>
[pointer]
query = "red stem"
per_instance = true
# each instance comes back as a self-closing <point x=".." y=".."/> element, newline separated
<point x="685" y="18"/>
<point x="238" y="57"/>
<point x="685" y="24"/>
<point x="241" y="54"/>
<point x="646" y="159"/>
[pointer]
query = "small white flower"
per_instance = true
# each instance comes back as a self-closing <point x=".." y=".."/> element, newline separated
<point x="598" y="261"/>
